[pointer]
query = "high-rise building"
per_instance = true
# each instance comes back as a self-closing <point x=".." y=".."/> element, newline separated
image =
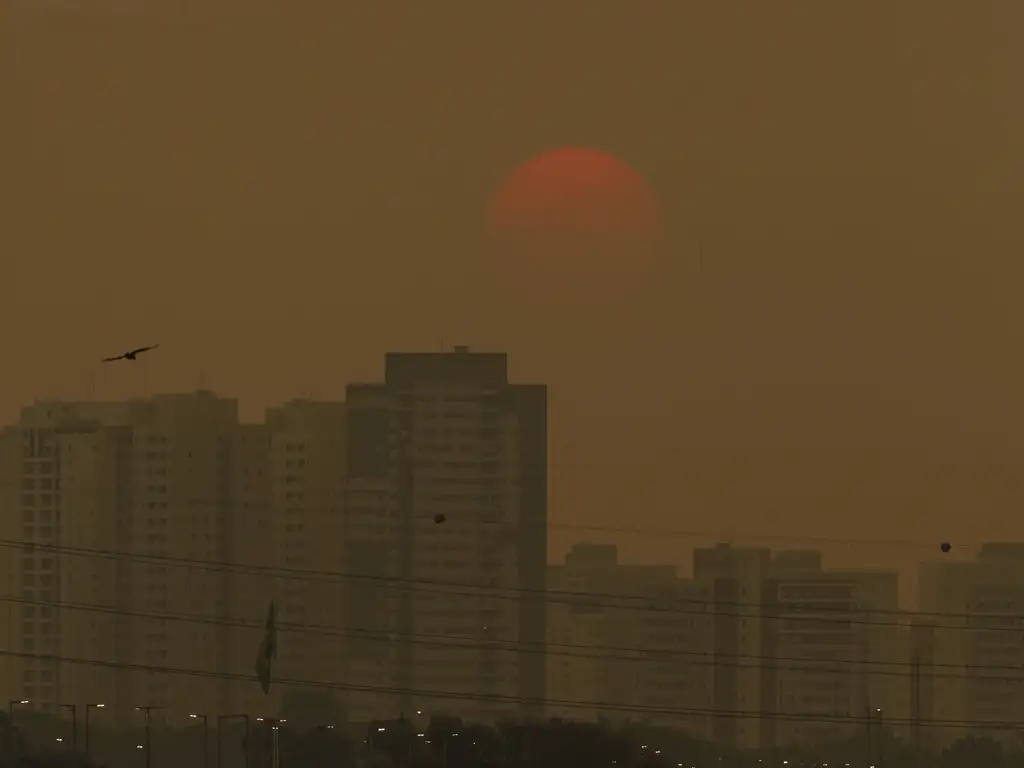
<point x="803" y="653"/>
<point x="968" y="656"/>
<point x="736" y="576"/>
<point x="596" y="608"/>
<point x="61" y="468"/>
<point x="446" y="538"/>
<point x="250" y="549"/>
<point x="835" y="634"/>
<point x="127" y="515"/>
<point x="675" y="684"/>
<point x="628" y="642"/>
<point x="306" y="492"/>
<point x="181" y="528"/>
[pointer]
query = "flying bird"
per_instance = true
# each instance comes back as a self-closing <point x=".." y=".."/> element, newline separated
<point x="130" y="355"/>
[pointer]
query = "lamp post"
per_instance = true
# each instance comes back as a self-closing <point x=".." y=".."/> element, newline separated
<point x="223" y="718"/>
<point x="206" y="735"/>
<point x="73" y="709"/>
<point x="146" y="712"/>
<point x="87" y="708"/>
<point x="881" y="736"/>
<point x="275" y="727"/>
<point x="11" y="704"/>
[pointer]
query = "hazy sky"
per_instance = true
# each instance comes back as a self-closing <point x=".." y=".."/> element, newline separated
<point x="279" y="197"/>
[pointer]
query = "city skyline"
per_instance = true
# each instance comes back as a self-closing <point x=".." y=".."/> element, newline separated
<point x="642" y="365"/>
<point x="354" y="486"/>
<point x="823" y="375"/>
<point x="631" y="539"/>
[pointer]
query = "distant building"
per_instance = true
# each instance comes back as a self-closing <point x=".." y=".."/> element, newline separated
<point x="446" y="538"/>
<point x="128" y="513"/>
<point x="633" y="636"/>
<point x="306" y="494"/>
<point x="809" y="646"/>
<point x="735" y="576"/>
<point x="968" y="654"/>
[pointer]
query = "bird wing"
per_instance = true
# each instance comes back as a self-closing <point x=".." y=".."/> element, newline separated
<point x="112" y="359"/>
<point x="143" y="349"/>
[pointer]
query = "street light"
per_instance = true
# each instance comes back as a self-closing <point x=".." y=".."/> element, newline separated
<point x="74" y="725"/>
<point x="11" y="704"/>
<point x="275" y="727"/>
<point x="223" y="718"/>
<point x="87" y="708"/>
<point x="149" y="752"/>
<point x="206" y="735"/>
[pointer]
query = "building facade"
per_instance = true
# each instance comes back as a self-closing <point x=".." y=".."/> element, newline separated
<point x="306" y="443"/>
<point x="446" y="539"/>
<point x="803" y="654"/>
<point x="129" y="515"/>
<point x="629" y="643"/>
<point x="968" y="656"/>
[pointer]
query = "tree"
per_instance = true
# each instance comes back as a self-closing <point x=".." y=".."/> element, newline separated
<point x="12" y="742"/>
<point x="973" y="751"/>
<point x="306" y="708"/>
<point x="319" y="748"/>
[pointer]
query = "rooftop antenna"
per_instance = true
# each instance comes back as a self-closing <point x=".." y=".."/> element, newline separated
<point x="90" y="384"/>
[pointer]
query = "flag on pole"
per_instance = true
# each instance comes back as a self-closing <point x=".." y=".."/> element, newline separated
<point x="268" y="650"/>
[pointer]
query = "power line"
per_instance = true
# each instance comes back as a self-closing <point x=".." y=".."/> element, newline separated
<point x="596" y="652"/>
<point x="657" y="532"/>
<point x="519" y="700"/>
<point x="708" y="607"/>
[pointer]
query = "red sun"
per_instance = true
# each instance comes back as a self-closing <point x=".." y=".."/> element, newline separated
<point x="575" y="225"/>
<point x="575" y="193"/>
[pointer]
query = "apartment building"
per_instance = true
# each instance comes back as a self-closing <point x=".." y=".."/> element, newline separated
<point x="127" y="513"/>
<point x="735" y="576"/>
<point x="40" y="584"/>
<point x="181" y="524"/>
<point x="675" y="684"/>
<point x="832" y="633"/>
<point x="250" y="547"/>
<point x="628" y="642"/>
<point x="803" y="653"/>
<point x="446" y="535"/>
<point x="306" y="491"/>
<point x="968" y="658"/>
<point x="10" y="560"/>
<point x="595" y="608"/>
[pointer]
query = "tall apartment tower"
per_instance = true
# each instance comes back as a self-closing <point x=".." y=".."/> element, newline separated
<point x="968" y="657"/>
<point x="661" y="627"/>
<point x="800" y="650"/>
<point x="127" y="513"/>
<point x="61" y="465"/>
<point x="307" y="483"/>
<point x="446" y="540"/>
<point x="736" y="575"/>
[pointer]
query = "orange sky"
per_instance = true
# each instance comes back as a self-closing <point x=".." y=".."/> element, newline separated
<point x="279" y="198"/>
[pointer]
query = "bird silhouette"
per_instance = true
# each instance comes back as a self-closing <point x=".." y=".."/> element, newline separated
<point x="130" y="355"/>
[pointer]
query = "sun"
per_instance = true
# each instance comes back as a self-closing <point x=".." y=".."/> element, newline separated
<point x="575" y="192"/>
<point x="575" y="224"/>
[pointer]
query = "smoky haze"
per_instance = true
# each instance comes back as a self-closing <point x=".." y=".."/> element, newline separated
<point x="279" y="195"/>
